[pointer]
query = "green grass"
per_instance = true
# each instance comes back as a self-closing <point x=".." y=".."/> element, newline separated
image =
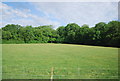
<point x="34" y="61"/>
<point x="0" y="56"/>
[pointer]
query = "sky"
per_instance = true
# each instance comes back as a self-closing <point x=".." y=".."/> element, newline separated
<point x="57" y="13"/>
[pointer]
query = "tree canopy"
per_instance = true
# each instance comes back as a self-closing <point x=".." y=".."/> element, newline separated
<point x="102" y="34"/>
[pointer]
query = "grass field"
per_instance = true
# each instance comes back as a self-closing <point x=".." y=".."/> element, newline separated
<point x="62" y="61"/>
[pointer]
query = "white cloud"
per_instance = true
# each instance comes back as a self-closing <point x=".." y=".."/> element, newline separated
<point x="23" y="17"/>
<point x="81" y="13"/>
<point x="10" y="13"/>
<point x="61" y="13"/>
<point x="61" y="0"/>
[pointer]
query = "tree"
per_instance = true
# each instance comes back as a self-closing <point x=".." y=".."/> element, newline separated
<point x="6" y="35"/>
<point x="102" y="34"/>
<point x="82" y="34"/>
<point x="113" y="33"/>
<point x="70" y="32"/>
<point x="61" y="34"/>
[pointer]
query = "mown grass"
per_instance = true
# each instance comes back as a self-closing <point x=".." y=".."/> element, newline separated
<point x="34" y="61"/>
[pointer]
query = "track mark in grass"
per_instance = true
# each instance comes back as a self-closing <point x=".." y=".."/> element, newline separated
<point x="52" y="71"/>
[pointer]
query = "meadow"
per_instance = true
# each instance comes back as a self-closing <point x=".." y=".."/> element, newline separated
<point x="61" y="61"/>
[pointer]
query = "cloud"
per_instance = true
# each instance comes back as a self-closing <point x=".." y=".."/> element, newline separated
<point x="60" y="13"/>
<point x="81" y="12"/>
<point x="61" y="0"/>
<point x="23" y="17"/>
<point x="9" y="14"/>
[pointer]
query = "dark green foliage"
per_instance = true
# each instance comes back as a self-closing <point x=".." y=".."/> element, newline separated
<point x="0" y="36"/>
<point x="102" y="34"/>
<point x="71" y="32"/>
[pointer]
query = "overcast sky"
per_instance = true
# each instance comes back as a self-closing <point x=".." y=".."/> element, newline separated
<point x="58" y="13"/>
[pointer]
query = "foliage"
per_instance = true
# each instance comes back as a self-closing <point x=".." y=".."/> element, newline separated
<point x="102" y="34"/>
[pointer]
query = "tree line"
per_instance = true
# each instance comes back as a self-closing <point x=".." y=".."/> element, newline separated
<point x="102" y="34"/>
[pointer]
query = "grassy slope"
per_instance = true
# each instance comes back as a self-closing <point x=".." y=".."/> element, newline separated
<point x="70" y="61"/>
